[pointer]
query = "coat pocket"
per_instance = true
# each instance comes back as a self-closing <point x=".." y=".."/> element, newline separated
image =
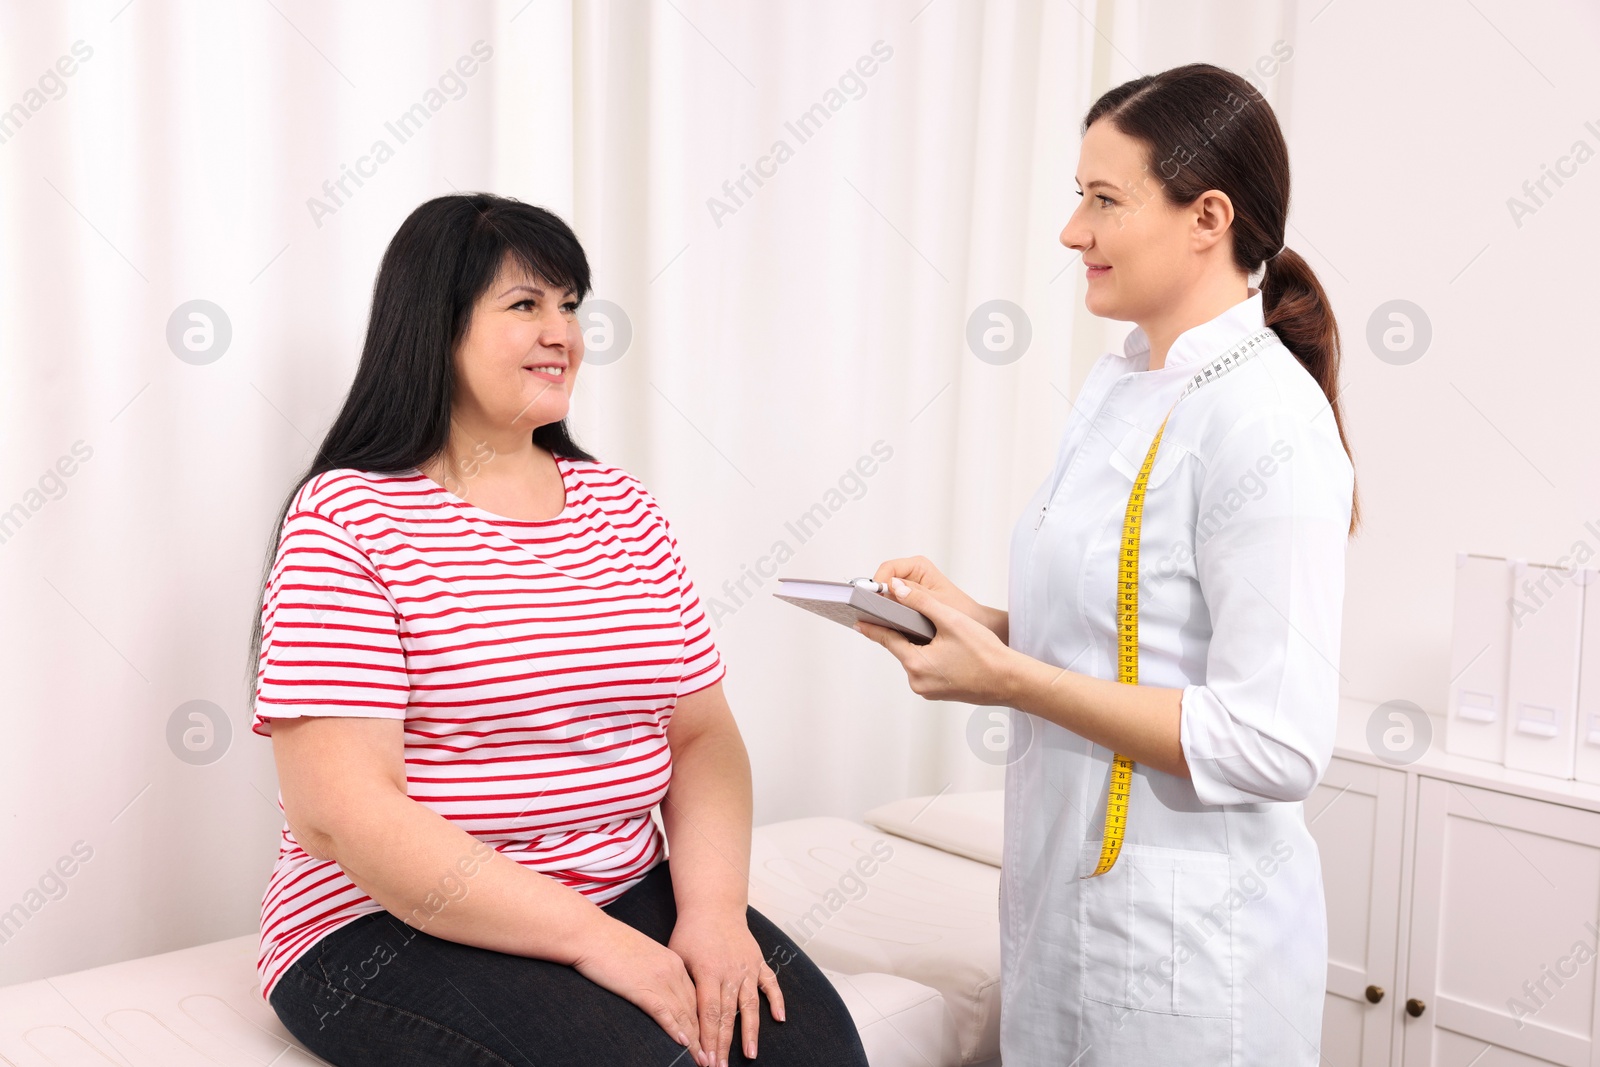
<point x="1127" y="456"/>
<point x="1158" y="931"/>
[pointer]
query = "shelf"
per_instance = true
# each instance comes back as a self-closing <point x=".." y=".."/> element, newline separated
<point x="1351" y="744"/>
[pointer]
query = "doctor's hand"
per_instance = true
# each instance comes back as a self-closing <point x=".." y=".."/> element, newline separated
<point x="964" y="662"/>
<point x="920" y="570"/>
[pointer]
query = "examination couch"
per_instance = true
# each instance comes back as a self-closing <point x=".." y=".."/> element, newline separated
<point x="901" y="910"/>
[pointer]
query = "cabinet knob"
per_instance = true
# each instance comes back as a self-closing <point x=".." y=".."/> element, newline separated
<point x="1374" y="993"/>
<point x="1415" y="1007"/>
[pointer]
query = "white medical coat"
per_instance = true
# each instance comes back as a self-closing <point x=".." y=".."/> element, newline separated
<point x="1207" y="942"/>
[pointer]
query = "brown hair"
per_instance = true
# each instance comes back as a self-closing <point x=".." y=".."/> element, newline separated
<point x="1212" y="129"/>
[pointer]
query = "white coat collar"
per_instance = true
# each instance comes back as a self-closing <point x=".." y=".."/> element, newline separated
<point x="1203" y="341"/>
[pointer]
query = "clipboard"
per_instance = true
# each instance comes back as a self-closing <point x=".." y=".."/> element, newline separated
<point x="846" y="602"/>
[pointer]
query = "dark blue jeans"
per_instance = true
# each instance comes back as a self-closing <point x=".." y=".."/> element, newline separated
<point x="377" y="991"/>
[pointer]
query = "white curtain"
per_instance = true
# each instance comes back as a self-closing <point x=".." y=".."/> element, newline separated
<point x="795" y="211"/>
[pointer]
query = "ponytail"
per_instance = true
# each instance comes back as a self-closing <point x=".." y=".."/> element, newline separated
<point x="1297" y="309"/>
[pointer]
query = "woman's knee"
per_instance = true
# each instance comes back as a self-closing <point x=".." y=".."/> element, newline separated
<point x="818" y="1026"/>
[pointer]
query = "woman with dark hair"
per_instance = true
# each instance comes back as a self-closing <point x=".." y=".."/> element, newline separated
<point x="475" y="707"/>
<point x="1170" y="651"/>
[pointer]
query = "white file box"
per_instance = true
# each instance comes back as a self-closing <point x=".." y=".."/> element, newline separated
<point x="1480" y="652"/>
<point x="1587" y="758"/>
<point x="1542" y="687"/>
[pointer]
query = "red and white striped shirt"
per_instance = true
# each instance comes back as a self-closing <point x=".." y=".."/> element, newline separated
<point x="536" y="666"/>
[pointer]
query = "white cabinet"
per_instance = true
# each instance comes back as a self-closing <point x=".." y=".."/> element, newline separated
<point x="1469" y="894"/>
<point x="1502" y="943"/>
<point x="1357" y="816"/>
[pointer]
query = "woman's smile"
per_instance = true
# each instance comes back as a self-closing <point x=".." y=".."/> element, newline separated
<point x="550" y="372"/>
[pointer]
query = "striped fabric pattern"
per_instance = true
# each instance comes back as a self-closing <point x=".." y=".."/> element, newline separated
<point x="535" y="664"/>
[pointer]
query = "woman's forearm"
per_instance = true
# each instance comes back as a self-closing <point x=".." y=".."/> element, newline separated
<point x="1137" y="721"/>
<point x="439" y="878"/>
<point x="707" y="815"/>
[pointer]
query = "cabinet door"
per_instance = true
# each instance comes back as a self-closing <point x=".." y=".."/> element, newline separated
<point x="1357" y="816"/>
<point x="1504" y="918"/>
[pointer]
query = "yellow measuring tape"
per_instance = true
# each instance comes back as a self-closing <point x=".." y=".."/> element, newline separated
<point x="1116" y="826"/>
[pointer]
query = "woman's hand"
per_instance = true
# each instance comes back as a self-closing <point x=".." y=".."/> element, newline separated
<point x="920" y="569"/>
<point x="724" y="960"/>
<point x="965" y="661"/>
<point x="648" y="975"/>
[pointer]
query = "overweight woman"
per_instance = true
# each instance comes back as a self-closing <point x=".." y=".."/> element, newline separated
<point x="1170" y="653"/>
<point x="482" y="664"/>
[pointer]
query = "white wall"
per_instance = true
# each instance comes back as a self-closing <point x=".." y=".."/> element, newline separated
<point x="769" y="352"/>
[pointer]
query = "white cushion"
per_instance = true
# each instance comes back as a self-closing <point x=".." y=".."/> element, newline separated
<point x="902" y="1023"/>
<point x="859" y="901"/>
<point x="190" y="1008"/>
<point x="968" y="824"/>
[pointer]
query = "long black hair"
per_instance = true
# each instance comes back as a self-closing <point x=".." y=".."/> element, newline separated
<point x="1217" y="131"/>
<point x="397" y="414"/>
